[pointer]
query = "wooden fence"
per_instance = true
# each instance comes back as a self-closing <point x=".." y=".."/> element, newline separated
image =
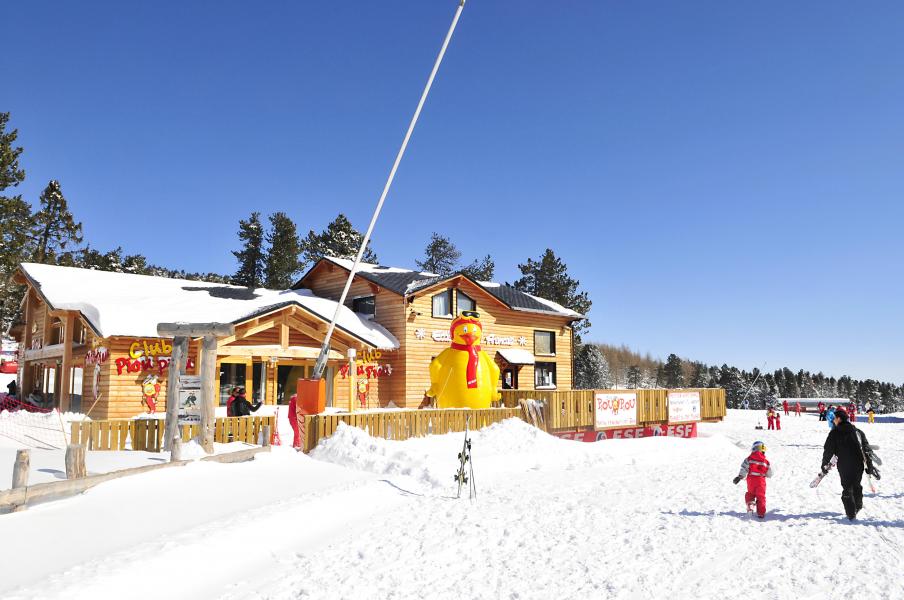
<point x="573" y="409"/>
<point x="404" y="424"/>
<point x="147" y="434"/>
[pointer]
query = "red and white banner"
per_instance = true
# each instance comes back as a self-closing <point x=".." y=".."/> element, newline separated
<point x="687" y="430"/>
<point x="615" y="410"/>
<point x="684" y="407"/>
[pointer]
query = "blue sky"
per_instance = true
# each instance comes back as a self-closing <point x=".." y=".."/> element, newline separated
<point x="725" y="179"/>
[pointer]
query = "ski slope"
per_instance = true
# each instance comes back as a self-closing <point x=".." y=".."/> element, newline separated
<point x="369" y="518"/>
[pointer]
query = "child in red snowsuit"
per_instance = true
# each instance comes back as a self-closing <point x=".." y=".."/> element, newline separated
<point x="797" y="409"/>
<point x="770" y="419"/>
<point x="778" y="420"/>
<point x="756" y="469"/>
<point x="785" y="406"/>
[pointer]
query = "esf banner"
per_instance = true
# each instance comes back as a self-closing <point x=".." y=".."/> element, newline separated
<point x="615" y="410"/>
<point x="688" y="430"/>
<point x="684" y="407"/>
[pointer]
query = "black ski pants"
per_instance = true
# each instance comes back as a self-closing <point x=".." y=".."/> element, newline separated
<point x="851" y="490"/>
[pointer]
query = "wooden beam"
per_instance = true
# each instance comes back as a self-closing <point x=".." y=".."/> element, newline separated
<point x="194" y="330"/>
<point x="53" y="351"/>
<point x="66" y="366"/>
<point x="283" y="334"/>
<point x="316" y="334"/>
<point x="244" y="333"/>
<point x="267" y="351"/>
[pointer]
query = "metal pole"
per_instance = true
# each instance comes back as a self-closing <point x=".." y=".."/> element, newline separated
<point x="320" y="365"/>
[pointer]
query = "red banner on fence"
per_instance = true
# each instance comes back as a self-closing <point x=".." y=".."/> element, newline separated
<point x="687" y="430"/>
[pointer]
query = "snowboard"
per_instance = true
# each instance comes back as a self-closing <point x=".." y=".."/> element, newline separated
<point x="822" y="475"/>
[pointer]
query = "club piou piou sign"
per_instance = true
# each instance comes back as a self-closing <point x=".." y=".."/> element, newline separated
<point x="148" y="356"/>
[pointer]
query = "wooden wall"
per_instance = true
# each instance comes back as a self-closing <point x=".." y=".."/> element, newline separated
<point x="328" y="280"/>
<point x="496" y="318"/>
<point x="410" y="364"/>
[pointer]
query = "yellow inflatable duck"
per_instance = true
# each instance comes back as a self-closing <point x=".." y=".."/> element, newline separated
<point x="463" y="375"/>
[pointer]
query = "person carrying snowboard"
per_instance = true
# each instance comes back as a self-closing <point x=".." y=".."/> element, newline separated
<point x="847" y="443"/>
<point x="756" y="469"/>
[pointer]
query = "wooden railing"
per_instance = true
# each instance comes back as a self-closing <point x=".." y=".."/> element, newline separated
<point x="404" y="424"/>
<point x="147" y="434"/>
<point x="573" y="409"/>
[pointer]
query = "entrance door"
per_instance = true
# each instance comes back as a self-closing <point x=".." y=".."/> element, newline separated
<point x="510" y="378"/>
<point x="231" y="375"/>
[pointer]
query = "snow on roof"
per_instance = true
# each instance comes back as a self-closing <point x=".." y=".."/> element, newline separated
<point x="555" y="306"/>
<point x="123" y="304"/>
<point x="516" y="356"/>
<point x="364" y="267"/>
<point x="406" y="282"/>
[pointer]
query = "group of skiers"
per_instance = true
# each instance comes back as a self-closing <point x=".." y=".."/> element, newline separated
<point x="844" y="441"/>
<point x="825" y="413"/>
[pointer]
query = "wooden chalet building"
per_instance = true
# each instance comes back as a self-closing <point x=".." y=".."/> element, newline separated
<point x="88" y="339"/>
<point x="529" y="337"/>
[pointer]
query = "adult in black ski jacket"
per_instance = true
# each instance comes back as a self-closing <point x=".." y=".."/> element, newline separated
<point x="844" y="441"/>
<point x="241" y="407"/>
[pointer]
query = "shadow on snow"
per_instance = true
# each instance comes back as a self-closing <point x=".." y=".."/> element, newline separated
<point x="780" y="516"/>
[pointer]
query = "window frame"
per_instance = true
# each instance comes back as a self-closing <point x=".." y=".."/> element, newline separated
<point x="451" y="315"/>
<point x="552" y="342"/>
<point x="368" y="315"/>
<point x="553" y="367"/>
<point x="458" y="294"/>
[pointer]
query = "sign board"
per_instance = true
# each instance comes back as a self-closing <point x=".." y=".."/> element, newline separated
<point x="615" y="410"/>
<point x="684" y="407"/>
<point x="189" y="399"/>
<point x="687" y="430"/>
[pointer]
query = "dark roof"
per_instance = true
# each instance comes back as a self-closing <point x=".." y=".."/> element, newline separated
<point x="404" y="282"/>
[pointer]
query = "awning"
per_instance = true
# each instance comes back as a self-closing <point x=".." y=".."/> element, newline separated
<point x="516" y="356"/>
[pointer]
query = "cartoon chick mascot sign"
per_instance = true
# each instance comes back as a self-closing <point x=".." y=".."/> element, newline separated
<point x="463" y="375"/>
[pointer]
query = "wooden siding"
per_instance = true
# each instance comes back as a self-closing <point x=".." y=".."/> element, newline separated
<point x="328" y="280"/>
<point x="497" y="319"/>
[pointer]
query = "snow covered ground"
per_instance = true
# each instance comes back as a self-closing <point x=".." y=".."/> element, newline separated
<point x="369" y="518"/>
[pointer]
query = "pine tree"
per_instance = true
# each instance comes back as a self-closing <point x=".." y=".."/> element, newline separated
<point x="481" y="269"/>
<point x="440" y="256"/>
<point x="15" y="224"/>
<point x="672" y="372"/>
<point x="54" y="228"/>
<point x="548" y="278"/>
<point x="282" y="259"/>
<point x="632" y="377"/>
<point x="339" y="239"/>
<point x="591" y="369"/>
<point x="251" y="257"/>
<point x="700" y="376"/>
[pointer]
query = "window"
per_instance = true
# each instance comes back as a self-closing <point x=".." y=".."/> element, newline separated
<point x="544" y="375"/>
<point x="442" y="305"/>
<point x="366" y="305"/>
<point x="465" y="302"/>
<point x="544" y="342"/>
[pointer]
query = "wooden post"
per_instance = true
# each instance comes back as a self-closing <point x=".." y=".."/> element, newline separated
<point x="208" y="390"/>
<point x="176" y="449"/>
<point x="176" y="367"/>
<point x="75" y="461"/>
<point x="266" y="430"/>
<point x="352" y="375"/>
<point x="209" y="332"/>
<point x="20" y="472"/>
<point x="66" y="366"/>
